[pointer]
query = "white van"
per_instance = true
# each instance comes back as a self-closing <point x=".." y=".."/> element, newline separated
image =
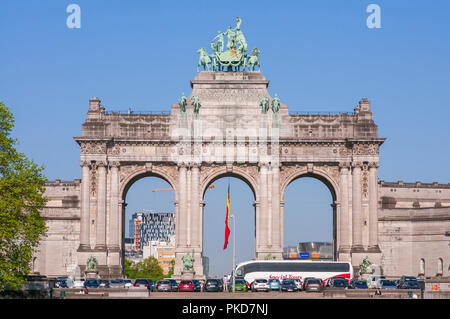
<point x="372" y="281"/>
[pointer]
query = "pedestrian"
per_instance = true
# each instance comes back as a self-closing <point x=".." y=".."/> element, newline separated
<point x="378" y="292"/>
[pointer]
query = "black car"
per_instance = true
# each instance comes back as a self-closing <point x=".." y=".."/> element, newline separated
<point x="338" y="282"/>
<point x="197" y="285"/>
<point x="91" y="283"/>
<point x="212" y="285"/>
<point x="408" y="282"/>
<point x="358" y="284"/>
<point x="288" y="285"/>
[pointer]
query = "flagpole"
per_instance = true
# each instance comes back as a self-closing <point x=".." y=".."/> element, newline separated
<point x="234" y="251"/>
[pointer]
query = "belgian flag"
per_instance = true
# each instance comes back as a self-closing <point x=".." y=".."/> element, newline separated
<point x="227" y="219"/>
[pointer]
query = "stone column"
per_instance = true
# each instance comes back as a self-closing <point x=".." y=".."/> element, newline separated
<point x="114" y="216"/>
<point x="357" y="208"/>
<point x="256" y="204"/>
<point x="182" y="206"/>
<point x="195" y="205"/>
<point x="276" y="222"/>
<point x="373" y="206"/>
<point x="85" y="204"/>
<point x="100" y="242"/>
<point x="263" y="229"/>
<point x="189" y="206"/>
<point x="282" y="224"/>
<point x="344" y="243"/>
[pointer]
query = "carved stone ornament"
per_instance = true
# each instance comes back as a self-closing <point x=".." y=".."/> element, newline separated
<point x="93" y="178"/>
<point x="365" y="180"/>
<point x="93" y="148"/>
<point x="365" y="149"/>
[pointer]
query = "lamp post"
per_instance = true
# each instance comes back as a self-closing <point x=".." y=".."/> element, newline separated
<point x="234" y="251"/>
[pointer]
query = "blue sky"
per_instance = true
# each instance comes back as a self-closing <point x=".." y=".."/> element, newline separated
<point x="318" y="55"/>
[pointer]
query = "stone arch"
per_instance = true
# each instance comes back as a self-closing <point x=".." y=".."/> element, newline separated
<point x="330" y="182"/>
<point x="142" y="172"/>
<point x="322" y="175"/>
<point x="220" y="171"/>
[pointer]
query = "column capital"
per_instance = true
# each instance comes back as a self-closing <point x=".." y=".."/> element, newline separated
<point x="374" y="164"/>
<point x="357" y="164"/>
<point x="115" y="164"/>
<point x="85" y="163"/>
<point x="344" y="165"/>
<point x="102" y="163"/>
<point x="182" y="165"/>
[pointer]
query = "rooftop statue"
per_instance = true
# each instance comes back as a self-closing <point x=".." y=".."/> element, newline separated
<point x="234" y="58"/>
<point x="276" y="104"/>
<point x="204" y="60"/>
<point x="264" y="103"/>
<point x="196" y="103"/>
<point x="182" y="104"/>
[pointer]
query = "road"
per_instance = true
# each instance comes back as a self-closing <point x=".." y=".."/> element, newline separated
<point x="236" y="295"/>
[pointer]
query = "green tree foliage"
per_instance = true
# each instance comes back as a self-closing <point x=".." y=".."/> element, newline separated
<point x="21" y="201"/>
<point x="172" y="266"/>
<point x="148" y="268"/>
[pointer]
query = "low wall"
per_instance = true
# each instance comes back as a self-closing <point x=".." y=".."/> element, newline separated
<point x="94" y="293"/>
<point x="370" y="293"/>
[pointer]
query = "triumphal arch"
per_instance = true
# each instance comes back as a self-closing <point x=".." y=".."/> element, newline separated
<point x="229" y="125"/>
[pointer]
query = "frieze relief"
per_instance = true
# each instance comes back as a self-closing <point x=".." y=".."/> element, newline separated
<point x="244" y="96"/>
<point x="365" y="149"/>
<point x="92" y="148"/>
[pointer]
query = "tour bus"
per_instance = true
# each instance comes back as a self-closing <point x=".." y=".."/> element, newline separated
<point x="294" y="269"/>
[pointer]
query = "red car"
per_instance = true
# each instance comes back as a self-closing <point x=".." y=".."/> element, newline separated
<point x="186" y="285"/>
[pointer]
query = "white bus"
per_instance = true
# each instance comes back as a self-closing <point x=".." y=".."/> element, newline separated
<point x="293" y="269"/>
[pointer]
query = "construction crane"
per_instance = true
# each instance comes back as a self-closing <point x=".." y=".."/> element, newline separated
<point x="171" y="189"/>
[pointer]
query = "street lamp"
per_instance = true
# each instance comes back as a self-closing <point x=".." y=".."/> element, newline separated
<point x="234" y="250"/>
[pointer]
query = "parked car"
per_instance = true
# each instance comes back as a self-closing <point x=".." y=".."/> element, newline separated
<point x="260" y="284"/>
<point x="117" y="283"/>
<point x="104" y="283"/>
<point x="78" y="283"/>
<point x="298" y="283"/>
<point x="386" y="284"/>
<point x="239" y="285"/>
<point x="144" y="282"/>
<point x="186" y="285"/>
<point x="372" y="280"/>
<point x="338" y="282"/>
<point x="212" y="285"/>
<point x="408" y="282"/>
<point x="313" y="285"/>
<point x="358" y="284"/>
<point x="288" y="285"/>
<point x="274" y="284"/>
<point x="197" y="285"/>
<point x="305" y="280"/>
<point x="128" y="283"/>
<point x="174" y="284"/>
<point x="91" y="283"/>
<point x="63" y="282"/>
<point x="220" y="281"/>
<point x="163" y="285"/>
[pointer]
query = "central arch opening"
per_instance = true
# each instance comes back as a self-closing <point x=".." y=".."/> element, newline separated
<point x="309" y="219"/>
<point x="217" y="261"/>
<point x="148" y="225"/>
